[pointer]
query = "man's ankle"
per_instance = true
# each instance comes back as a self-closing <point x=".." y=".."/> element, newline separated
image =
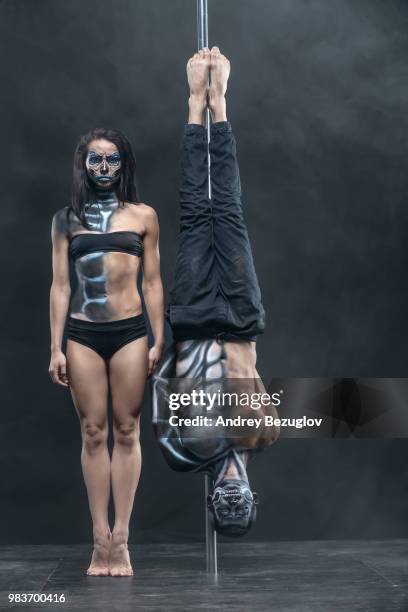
<point x="218" y="107"/>
<point x="197" y="105"/>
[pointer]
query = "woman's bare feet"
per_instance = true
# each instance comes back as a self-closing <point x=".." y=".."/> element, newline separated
<point x="220" y="70"/>
<point x="198" y="70"/>
<point x="100" y="557"/>
<point x="119" y="561"/>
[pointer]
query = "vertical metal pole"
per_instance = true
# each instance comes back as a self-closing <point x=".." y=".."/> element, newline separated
<point x="210" y="533"/>
<point x="202" y="41"/>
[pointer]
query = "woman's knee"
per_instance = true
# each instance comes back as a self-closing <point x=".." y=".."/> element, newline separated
<point x="126" y="433"/>
<point x="94" y="436"/>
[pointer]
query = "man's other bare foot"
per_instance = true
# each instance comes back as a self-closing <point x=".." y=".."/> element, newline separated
<point x="220" y="71"/>
<point x="198" y="70"/>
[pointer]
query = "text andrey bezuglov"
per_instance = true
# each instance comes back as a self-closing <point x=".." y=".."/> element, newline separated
<point x="255" y="401"/>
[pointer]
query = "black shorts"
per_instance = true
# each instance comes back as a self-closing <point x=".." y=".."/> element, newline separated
<point x="106" y="337"/>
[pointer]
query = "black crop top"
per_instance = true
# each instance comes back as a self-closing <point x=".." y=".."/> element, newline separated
<point x="90" y="242"/>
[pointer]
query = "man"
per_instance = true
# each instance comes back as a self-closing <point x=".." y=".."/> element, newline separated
<point x="215" y="311"/>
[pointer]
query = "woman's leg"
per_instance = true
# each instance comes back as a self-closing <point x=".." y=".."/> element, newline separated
<point x="194" y="288"/>
<point x="238" y="281"/>
<point x="127" y="376"/>
<point x="89" y="390"/>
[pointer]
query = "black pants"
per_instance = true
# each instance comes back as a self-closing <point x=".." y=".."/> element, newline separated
<point x="216" y="292"/>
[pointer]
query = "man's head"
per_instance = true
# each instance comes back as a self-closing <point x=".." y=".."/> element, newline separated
<point x="233" y="506"/>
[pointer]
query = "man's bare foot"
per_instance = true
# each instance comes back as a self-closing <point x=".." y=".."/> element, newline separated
<point x="198" y="70"/>
<point x="119" y="561"/>
<point x="100" y="557"/>
<point x="220" y="70"/>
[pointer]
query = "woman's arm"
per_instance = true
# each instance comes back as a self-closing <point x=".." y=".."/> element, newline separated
<point x="152" y="286"/>
<point x="59" y="296"/>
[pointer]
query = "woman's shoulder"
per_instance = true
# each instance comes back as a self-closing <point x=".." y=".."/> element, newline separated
<point x="60" y="219"/>
<point x="144" y="211"/>
<point x="61" y="212"/>
<point x="65" y="220"/>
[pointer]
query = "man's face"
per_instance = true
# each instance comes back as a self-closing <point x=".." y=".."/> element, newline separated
<point x="232" y="504"/>
<point x="103" y="163"/>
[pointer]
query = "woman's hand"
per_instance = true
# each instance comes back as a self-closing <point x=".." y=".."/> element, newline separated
<point x="154" y="357"/>
<point x="58" y="369"/>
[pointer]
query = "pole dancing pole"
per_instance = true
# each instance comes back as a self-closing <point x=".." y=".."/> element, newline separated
<point x="202" y="41"/>
<point x="210" y="533"/>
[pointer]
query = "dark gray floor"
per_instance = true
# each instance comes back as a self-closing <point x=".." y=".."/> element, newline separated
<point x="279" y="576"/>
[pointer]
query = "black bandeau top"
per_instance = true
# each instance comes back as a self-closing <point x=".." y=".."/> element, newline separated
<point x="90" y="242"/>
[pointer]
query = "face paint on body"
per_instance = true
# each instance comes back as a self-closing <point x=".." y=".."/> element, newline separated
<point x="98" y="214"/>
<point x="103" y="165"/>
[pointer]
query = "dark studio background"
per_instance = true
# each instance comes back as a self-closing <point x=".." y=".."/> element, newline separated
<point x="318" y="101"/>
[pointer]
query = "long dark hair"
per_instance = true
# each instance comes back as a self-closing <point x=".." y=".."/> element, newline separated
<point x="83" y="190"/>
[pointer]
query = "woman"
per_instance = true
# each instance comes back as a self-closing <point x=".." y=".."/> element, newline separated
<point x="107" y="233"/>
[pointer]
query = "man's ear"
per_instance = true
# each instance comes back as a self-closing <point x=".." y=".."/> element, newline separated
<point x="209" y="501"/>
<point x="256" y="497"/>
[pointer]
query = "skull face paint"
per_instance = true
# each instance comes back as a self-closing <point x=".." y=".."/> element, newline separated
<point x="103" y="163"/>
<point x="232" y="503"/>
